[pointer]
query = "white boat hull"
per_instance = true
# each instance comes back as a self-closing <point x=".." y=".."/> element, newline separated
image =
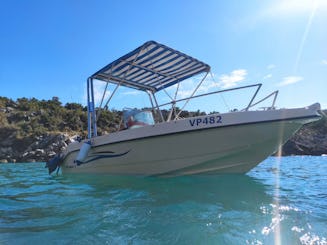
<point x="202" y="145"/>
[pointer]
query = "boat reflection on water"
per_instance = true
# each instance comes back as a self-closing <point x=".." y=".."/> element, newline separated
<point x="229" y="190"/>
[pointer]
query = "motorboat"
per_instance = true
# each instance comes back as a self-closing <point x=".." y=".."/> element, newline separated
<point x="153" y="144"/>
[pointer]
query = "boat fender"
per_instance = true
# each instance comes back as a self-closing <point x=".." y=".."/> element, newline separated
<point x="83" y="152"/>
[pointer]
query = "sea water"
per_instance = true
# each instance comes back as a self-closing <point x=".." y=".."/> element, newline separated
<point x="281" y="201"/>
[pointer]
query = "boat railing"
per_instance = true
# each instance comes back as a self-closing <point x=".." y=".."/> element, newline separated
<point x="275" y="94"/>
<point x="250" y="105"/>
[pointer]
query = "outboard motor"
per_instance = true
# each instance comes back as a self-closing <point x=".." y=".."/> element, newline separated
<point x="54" y="163"/>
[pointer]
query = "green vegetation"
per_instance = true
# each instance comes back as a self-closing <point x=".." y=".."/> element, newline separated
<point x="32" y="117"/>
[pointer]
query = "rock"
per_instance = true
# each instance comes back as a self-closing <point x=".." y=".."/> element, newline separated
<point x="39" y="152"/>
<point x="43" y="148"/>
<point x="25" y="154"/>
<point x="5" y="150"/>
<point x="12" y="160"/>
<point x="309" y="140"/>
<point x="9" y="109"/>
<point x="51" y="154"/>
<point x="8" y="136"/>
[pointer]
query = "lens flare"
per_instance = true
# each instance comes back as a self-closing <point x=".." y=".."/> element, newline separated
<point x="277" y="217"/>
<point x="305" y="35"/>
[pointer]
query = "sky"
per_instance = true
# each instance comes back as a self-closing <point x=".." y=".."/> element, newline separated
<point x="49" y="48"/>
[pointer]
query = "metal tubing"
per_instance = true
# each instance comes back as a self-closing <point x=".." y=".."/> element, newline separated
<point x="157" y="106"/>
<point x="211" y="93"/>
<point x="274" y="100"/>
<point x="112" y="94"/>
<point x="88" y="110"/>
<point x="152" y="105"/>
<point x="94" y="121"/>
<point x="196" y="89"/>
<point x="104" y="94"/>
<point x="255" y="94"/>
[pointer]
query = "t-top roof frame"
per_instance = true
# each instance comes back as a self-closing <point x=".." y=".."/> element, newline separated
<point x="151" y="67"/>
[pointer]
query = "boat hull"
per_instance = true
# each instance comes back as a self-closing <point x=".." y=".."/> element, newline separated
<point x="225" y="148"/>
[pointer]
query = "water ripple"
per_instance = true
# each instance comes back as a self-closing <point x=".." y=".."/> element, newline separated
<point x="225" y="209"/>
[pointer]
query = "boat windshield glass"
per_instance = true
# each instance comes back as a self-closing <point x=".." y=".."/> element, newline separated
<point x="134" y="118"/>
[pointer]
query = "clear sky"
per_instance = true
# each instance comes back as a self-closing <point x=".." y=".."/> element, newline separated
<point x="49" y="48"/>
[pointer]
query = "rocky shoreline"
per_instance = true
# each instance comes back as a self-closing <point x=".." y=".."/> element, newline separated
<point x="37" y="149"/>
<point x="307" y="141"/>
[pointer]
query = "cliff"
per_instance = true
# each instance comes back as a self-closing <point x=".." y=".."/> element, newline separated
<point x="34" y="130"/>
<point x="311" y="139"/>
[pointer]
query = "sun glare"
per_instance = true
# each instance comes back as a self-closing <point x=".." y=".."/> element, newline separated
<point x="277" y="218"/>
<point x="305" y="34"/>
<point x="295" y="6"/>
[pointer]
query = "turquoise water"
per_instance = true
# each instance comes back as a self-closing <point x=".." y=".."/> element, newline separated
<point x="282" y="201"/>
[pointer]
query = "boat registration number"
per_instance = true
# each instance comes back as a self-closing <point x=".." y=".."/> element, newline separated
<point x="206" y="120"/>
